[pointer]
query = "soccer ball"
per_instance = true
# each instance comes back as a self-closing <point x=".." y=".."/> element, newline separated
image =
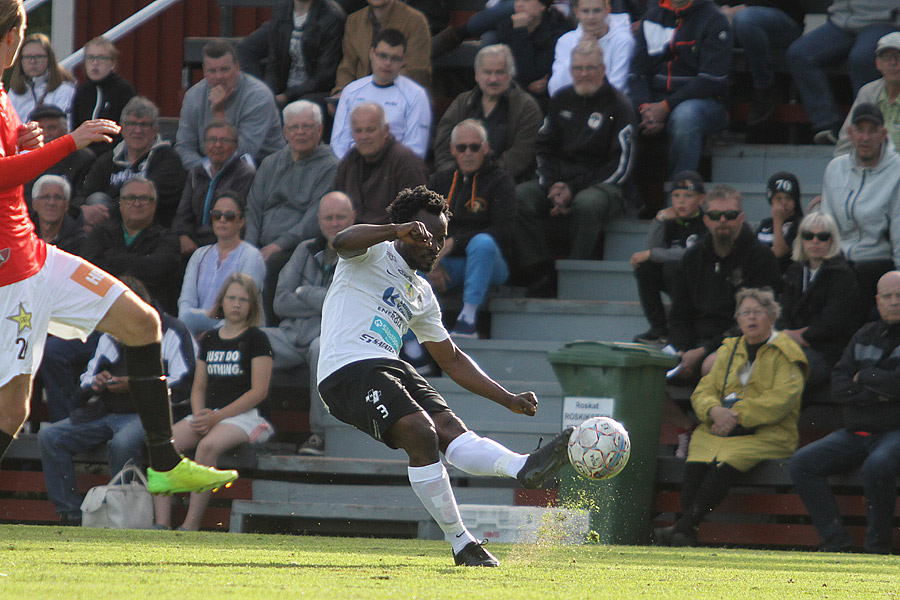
<point x="599" y="448"/>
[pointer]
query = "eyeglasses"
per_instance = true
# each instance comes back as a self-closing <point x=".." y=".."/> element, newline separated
<point x="822" y="236"/>
<point x="461" y="148"/>
<point x="34" y="57"/>
<point x="51" y="197"/>
<point x="716" y="215"/>
<point x="97" y="58"/>
<point x="888" y="56"/>
<point x="136" y="200"/>
<point x="389" y="57"/>
<point x="228" y="215"/>
<point x="751" y="312"/>
<point x="138" y="124"/>
<point x="220" y="140"/>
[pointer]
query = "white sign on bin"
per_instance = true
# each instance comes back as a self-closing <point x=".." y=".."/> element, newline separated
<point x="577" y="409"/>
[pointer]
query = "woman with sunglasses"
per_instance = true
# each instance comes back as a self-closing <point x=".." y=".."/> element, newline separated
<point x="819" y="298"/>
<point x="211" y="265"/>
<point x="38" y="79"/>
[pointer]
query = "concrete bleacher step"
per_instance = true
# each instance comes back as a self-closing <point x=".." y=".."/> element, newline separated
<point x="623" y="237"/>
<point x="566" y="320"/>
<point x="511" y="359"/>
<point x="383" y="495"/>
<point x="596" y="280"/>
<point x="754" y="163"/>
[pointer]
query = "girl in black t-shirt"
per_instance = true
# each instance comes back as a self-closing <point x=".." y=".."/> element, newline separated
<point x="231" y="380"/>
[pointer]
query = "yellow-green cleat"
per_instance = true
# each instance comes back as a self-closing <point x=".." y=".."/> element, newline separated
<point x="188" y="476"/>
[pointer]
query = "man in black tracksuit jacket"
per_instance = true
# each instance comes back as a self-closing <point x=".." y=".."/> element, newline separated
<point x="867" y="382"/>
<point x="585" y="153"/>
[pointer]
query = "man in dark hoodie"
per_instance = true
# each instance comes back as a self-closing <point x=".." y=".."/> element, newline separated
<point x="710" y="274"/>
<point x="105" y="93"/>
<point x="142" y="152"/>
<point x="866" y="381"/>
<point x="585" y="154"/>
<point x="482" y="197"/>
<point x="679" y="76"/>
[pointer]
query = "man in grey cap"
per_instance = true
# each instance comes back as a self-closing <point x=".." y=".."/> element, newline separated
<point x="860" y="188"/>
<point x="882" y="92"/>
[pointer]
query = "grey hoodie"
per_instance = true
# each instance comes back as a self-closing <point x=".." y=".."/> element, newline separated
<point x="283" y="205"/>
<point x="865" y="202"/>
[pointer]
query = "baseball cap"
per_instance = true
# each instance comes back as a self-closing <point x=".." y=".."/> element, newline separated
<point x="867" y="112"/>
<point x="890" y="41"/>
<point x="688" y="180"/>
<point x="46" y="111"/>
<point x="783" y="181"/>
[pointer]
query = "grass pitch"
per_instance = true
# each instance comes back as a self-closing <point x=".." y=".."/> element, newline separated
<point x="72" y="563"/>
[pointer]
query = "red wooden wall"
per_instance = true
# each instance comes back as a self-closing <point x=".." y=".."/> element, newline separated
<point x="151" y="56"/>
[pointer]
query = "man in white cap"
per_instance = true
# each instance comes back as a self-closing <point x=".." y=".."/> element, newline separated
<point x="884" y="92"/>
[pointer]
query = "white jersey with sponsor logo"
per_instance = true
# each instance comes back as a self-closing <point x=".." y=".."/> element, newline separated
<point x="374" y="299"/>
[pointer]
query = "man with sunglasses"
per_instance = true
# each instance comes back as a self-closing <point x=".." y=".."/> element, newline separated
<point x="406" y="103"/>
<point x="135" y="245"/>
<point x="223" y="168"/>
<point x="481" y="196"/>
<point x="710" y="274"/>
<point x="861" y="191"/>
<point x="585" y="154"/>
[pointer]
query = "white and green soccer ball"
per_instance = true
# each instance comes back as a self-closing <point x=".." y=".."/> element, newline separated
<point x="599" y="448"/>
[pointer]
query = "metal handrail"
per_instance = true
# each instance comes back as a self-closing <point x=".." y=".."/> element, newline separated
<point x="122" y="29"/>
<point x="32" y="4"/>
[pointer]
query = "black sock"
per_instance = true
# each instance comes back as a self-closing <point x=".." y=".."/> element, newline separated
<point x="151" y="398"/>
<point x="5" y="441"/>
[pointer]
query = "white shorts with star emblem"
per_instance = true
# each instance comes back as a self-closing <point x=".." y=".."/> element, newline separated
<point x="67" y="298"/>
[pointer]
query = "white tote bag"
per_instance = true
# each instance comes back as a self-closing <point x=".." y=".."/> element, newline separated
<point x="119" y="505"/>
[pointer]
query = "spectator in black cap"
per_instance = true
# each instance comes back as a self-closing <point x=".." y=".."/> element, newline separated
<point x="73" y="168"/>
<point x="671" y="233"/>
<point x="861" y="191"/>
<point x="779" y="230"/>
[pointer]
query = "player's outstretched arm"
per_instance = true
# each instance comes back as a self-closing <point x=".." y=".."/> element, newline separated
<point x="464" y="371"/>
<point x="356" y="239"/>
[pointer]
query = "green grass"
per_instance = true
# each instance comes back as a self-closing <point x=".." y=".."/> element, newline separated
<point x="72" y="563"/>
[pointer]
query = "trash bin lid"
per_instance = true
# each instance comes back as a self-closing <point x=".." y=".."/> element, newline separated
<point x="611" y="354"/>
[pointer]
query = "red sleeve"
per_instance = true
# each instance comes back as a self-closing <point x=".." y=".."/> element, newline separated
<point x="19" y="169"/>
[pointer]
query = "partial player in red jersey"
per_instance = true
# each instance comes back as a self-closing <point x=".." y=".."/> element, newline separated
<point x="45" y="289"/>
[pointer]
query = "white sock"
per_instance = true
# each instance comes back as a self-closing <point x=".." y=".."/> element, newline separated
<point x="432" y="485"/>
<point x="468" y="313"/>
<point x="483" y="456"/>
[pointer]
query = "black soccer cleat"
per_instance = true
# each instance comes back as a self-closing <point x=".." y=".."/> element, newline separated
<point x="473" y="554"/>
<point x="546" y="460"/>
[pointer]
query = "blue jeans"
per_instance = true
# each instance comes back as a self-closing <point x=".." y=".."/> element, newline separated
<point x="483" y="24"/>
<point x="63" y="363"/>
<point x="688" y="126"/>
<point x="482" y="267"/>
<point x="60" y="441"/>
<point x="842" y="450"/>
<point x="808" y="56"/>
<point x="758" y="28"/>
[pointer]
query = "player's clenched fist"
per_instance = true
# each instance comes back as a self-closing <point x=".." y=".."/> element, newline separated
<point x="524" y="403"/>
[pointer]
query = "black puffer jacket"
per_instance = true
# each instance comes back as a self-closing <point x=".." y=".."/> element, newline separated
<point x="828" y="307"/>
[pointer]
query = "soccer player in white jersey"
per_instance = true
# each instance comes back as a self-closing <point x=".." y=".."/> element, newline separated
<point x="376" y="296"/>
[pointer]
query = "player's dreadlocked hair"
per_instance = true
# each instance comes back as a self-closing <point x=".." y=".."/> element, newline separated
<point x="411" y="200"/>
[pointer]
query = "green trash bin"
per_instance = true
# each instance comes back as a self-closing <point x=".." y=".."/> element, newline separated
<point x="626" y="382"/>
